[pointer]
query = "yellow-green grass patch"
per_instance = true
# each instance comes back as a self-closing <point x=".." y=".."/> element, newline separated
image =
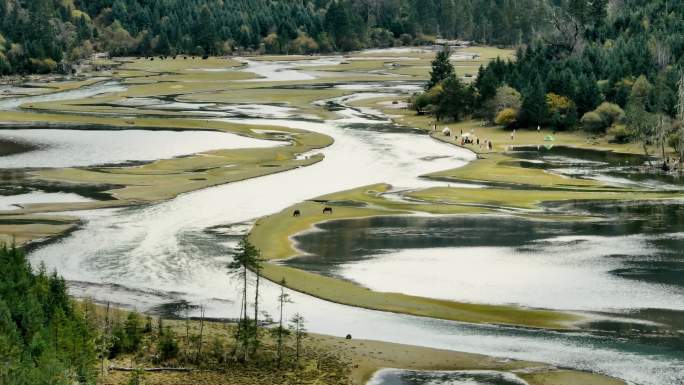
<point x="567" y="377"/>
<point x="497" y="168"/>
<point x="272" y="235"/>
<point x="522" y="199"/>
<point x="490" y="53"/>
<point x="174" y="65"/>
<point x="21" y="229"/>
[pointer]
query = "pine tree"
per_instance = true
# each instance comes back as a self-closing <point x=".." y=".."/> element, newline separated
<point x="280" y="331"/>
<point x="245" y="259"/>
<point x="588" y="94"/>
<point x="534" y="104"/>
<point x="456" y="99"/>
<point x="441" y="68"/>
<point x="297" y="325"/>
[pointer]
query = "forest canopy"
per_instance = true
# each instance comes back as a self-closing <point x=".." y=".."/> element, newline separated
<point x="44" y="339"/>
<point x="606" y="66"/>
<point x="38" y="35"/>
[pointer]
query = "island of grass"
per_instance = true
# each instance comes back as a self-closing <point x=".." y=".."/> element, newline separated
<point x="273" y="236"/>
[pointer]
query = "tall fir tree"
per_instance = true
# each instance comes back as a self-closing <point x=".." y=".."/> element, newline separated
<point x="534" y="110"/>
<point x="441" y="68"/>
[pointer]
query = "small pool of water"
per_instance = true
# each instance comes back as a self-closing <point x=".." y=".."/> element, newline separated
<point x="613" y="168"/>
<point x="465" y="377"/>
<point x="78" y="148"/>
<point x="14" y="202"/>
<point x="80" y="93"/>
<point x="268" y="71"/>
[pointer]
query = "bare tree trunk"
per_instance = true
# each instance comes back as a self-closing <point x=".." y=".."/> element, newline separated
<point x="681" y="149"/>
<point x="238" y="332"/>
<point x="105" y="341"/>
<point x="648" y="157"/>
<point x="299" y="341"/>
<point x="280" y="326"/>
<point x="255" y="342"/>
<point x="244" y="312"/>
<point x="187" y="329"/>
<point x="199" y="341"/>
<point x="680" y="112"/>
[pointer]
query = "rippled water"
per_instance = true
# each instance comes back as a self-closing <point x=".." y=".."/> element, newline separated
<point x="83" y="92"/>
<point x="466" y="377"/>
<point x="70" y="148"/>
<point x="13" y="202"/>
<point x="287" y="70"/>
<point x="630" y="262"/>
<point x="608" y="167"/>
<point x="162" y="256"/>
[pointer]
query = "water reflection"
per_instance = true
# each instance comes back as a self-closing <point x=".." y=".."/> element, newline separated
<point x="613" y="168"/>
<point x="471" y="377"/>
<point x="159" y="257"/>
<point x="632" y="260"/>
<point x="74" y="148"/>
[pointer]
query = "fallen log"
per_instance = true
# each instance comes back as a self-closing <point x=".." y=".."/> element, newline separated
<point x="125" y="369"/>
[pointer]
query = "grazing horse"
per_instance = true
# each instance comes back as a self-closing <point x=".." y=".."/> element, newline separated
<point x="327" y="210"/>
<point x="297" y="213"/>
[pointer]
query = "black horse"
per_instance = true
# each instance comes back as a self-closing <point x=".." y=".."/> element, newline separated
<point x="297" y="213"/>
<point x="328" y="210"/>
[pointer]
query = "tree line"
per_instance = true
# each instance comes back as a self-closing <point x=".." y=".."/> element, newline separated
<point x="38" y="35"/>
<point x="605" y="66"/>
<point x="44" y="337"/>
<point x="48" y="338"/>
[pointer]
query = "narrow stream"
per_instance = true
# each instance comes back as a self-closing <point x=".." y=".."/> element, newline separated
<point x="160" y="257"/>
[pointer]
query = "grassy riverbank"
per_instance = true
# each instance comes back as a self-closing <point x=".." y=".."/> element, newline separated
<point x="185" y="80"/>
<point x="325" y="360"/>
<point x="523" y="191"/>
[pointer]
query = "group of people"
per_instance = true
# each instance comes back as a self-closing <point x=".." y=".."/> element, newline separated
<point x="469" y="138"/>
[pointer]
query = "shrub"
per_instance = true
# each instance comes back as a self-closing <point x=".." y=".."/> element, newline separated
<point x="592" y="121"/>
<point x="562" y="112"/>
<point x="673" y="141"/>
<point x="133" y="336"/>
<point x="620" y="132"/>
<point x="167" y="347"/>
<point x="43" y="66"/>
<point x="507" y="117"/>
<point x="136" y="378"/>
<point x="506" y="97"/>
<point x="610" y="113"/>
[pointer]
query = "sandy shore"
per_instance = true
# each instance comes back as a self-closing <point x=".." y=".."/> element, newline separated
<point x="332" y="360"/>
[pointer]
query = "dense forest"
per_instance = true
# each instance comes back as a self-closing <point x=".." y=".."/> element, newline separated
<point x="44" y="339"/>
<point x="37" y="35"/>
<point x="605" y="65"/>
<point x="49" y="338"/>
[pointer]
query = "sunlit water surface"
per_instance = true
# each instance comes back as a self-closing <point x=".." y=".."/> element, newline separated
<point x="73" y="148"/>
<point x="631" y="262"/>
<point x="162" y="256"/>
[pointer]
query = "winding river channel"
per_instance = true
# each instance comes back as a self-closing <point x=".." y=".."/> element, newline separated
<point x="162" y="256"/>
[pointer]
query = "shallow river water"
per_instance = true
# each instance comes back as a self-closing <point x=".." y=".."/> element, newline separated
<point x="161" y="256"/>
<point x="623" y="264"/>
<point x="54" y="148"/>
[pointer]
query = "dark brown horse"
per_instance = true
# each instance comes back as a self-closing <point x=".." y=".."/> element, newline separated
<point x="297" y="213"/>
<point x="327" y="210"/>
